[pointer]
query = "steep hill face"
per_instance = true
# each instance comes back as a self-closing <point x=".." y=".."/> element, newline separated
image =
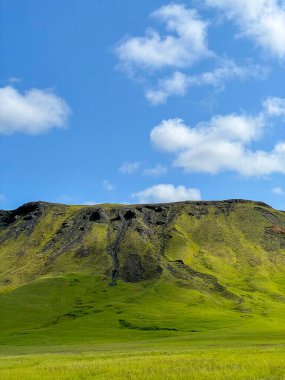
<point x="216" y="261"/>
<point x="189" y="240"/>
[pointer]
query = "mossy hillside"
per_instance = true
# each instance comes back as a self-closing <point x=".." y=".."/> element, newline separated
<point x="74" y="274"/>
<point x="26" y="254"/>
<point x="232" y="247"/>
<point x="19" y="253"/>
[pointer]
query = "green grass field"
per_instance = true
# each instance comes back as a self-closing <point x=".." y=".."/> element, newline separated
<point x="67" y="328"/>
<point x="208" y="363"/>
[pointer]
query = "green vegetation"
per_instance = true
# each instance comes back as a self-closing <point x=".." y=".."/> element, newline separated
<point x="154" y="365"/>
<point x="187" y="290"/>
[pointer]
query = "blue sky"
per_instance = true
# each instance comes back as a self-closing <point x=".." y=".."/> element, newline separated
<point x="134" y="101"/>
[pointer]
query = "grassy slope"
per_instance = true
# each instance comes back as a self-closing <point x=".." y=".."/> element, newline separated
<point x="67" y="303"/>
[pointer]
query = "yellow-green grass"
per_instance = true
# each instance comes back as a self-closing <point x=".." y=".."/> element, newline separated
<point x="212" y="363"/>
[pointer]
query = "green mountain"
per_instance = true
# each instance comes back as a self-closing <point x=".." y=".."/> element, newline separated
<point x="107" y="273"/>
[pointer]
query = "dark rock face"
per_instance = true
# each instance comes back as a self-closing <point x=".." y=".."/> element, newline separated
<point x="148" y="222"/>
<point x="71" y="232"/>
<point x="32" y="208"/>
<point x="6" y="218"/>
<point x="132" y="270"/>
<point x="95" y="216"/>
<point x="129" y="215"/>
<point x="274" y="235"/>
<point x="26" y="217"/>
<point x="28" y="211"/>
<point x="137" y="269"/>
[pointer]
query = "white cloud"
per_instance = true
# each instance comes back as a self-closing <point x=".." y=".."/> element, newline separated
<point x="167" y="193"/>
<point x="222" y="144"/>
<point x="275" y="106"/>
<point x="173" y="134"/>
<point x="262" y="21"/>
<point x="129" y="167"/>
<point x="89" y="203"/>
<point x="157" y="170"/>
<point x="278" y="191"/>
<point x="33" y="112"/>
<point x="186" y="45"/>
<point x="178" y="83"/>
<point x="107" y="185"/>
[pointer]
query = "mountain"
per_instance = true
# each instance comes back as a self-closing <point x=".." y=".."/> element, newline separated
<point x="77" y="274"/>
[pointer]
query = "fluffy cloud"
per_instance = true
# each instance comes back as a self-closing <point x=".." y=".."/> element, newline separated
<point x="167" y="193"/>
<point x="262" y="21"/>
<point x="178" y="83"/>
<point x="157" y="170"/>
<point x="108" y="186"/>
<point x="275" y="106"/>
<point x="278" y="191"/>
<point x="186" y="44"/>
<point x="33" y="112"/>
<point x="129" y="167"/>
<point x="222" y="144"/>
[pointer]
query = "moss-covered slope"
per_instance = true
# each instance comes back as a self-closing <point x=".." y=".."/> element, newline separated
<point x="85" y="273"/>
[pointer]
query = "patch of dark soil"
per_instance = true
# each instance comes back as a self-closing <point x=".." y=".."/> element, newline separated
<point x="82" y="252"/>
<point x="277" y="229"/>
<point x="127" y="325"/>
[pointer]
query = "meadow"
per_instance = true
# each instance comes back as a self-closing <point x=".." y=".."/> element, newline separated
<point x="78" y="327"/>
<point x="208" y="363"/>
